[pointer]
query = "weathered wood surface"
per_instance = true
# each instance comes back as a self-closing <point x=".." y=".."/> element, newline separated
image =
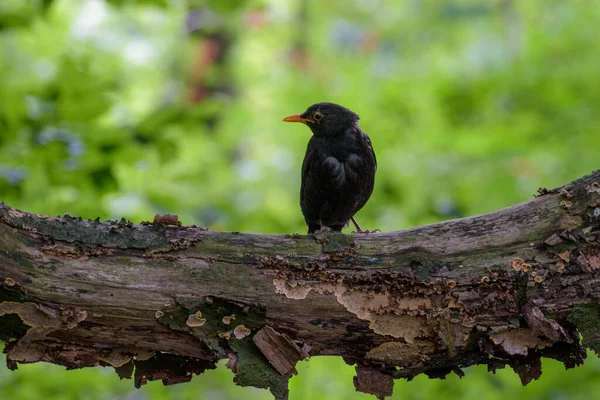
<point x="164" y="302"/>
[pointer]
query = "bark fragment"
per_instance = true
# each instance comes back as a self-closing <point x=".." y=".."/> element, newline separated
<point x="282" y="353"/>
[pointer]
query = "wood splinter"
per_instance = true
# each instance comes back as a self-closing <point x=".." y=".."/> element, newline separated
<point x="282" y="353"/>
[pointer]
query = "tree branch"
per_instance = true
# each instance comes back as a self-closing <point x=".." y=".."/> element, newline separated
<point x="160" y="301"/>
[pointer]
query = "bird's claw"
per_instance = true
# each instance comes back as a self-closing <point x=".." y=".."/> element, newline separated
<point x="366" y="232"/>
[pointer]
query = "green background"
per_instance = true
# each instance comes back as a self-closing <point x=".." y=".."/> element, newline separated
<point x="115" y="109"/>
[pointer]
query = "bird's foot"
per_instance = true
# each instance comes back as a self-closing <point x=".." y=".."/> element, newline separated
<point x="358" y="230"/>
<point x="366" y="232"/>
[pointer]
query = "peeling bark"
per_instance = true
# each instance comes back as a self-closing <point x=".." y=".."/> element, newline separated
<point x="162" y="301"/>
<point x="282" y="353"/>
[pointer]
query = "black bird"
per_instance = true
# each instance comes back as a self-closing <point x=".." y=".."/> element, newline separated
<point x="338" y="172"/>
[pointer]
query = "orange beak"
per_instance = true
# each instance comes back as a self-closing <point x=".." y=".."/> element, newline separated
<point x="297" y="118"/>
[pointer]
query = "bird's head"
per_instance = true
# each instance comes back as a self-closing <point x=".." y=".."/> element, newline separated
<point x="326" y="119"/>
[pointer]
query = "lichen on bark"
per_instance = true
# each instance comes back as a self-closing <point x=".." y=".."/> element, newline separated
<point x="163" y="301"/>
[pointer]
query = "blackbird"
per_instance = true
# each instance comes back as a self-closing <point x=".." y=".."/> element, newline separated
<point x="338" y="172"/>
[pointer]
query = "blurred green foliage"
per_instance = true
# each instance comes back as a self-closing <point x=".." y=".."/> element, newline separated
<point x="471" y="106"/>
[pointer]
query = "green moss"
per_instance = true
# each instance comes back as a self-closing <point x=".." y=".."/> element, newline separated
<point x="335" y="242"/>
<point x="253" y="369"/>
<point x="20" y="260"/>
<point x="107" y="234"/>
<point x="562" y="247"/>
<point x="421" y="270"/>
<point x="586" y="318"/>
<point x="13" y="295"/>
<point x="175" y="317"/>
<point x="213" y="311"/>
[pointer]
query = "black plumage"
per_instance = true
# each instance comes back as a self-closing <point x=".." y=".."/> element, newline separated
<point x="338" y="172"/>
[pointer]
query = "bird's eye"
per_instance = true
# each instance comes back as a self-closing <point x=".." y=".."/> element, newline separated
<point x="318" y="116"/>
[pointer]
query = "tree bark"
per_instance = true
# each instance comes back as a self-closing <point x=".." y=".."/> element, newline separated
<point x="162" y="301"/>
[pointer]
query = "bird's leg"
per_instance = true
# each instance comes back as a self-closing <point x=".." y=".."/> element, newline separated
<point x="358" y="230"/>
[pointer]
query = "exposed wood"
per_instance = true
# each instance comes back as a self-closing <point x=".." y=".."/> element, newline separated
<point x="155" y="300"/>
<point x="282" y="353"/>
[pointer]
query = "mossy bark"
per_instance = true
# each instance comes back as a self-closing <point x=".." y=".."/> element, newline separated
<point x="165" y="301"/>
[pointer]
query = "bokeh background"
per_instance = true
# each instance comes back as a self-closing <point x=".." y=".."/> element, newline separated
<point x="123" y="108"/>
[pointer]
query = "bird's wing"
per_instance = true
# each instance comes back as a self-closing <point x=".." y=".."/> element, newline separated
<point x="335" y="172"/>
<point x="322" y="172"/>
<point x="360" y="173"/>
<point x="354" y="168"/>
<point x="370" y="146"/>
<point x="321" y="176"/>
